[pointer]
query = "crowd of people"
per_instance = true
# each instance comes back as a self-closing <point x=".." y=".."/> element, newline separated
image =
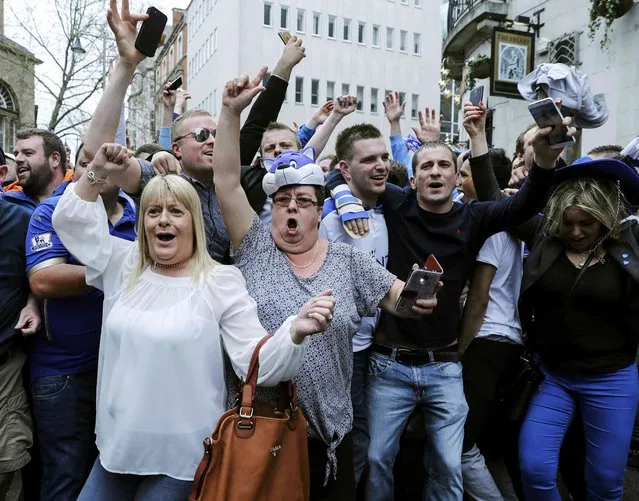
<point x="137" y="281"/>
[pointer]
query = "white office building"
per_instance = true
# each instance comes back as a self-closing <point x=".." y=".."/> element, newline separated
<point x="562" y="36"/>
<point x="365" y="48"/>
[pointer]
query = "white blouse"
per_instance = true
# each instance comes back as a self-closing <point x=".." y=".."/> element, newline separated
<point x="160" y="371"/>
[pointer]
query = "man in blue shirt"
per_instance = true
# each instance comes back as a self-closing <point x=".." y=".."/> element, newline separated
<point x="18" y="315"/>
<point x="63" y="356"/>
<point x="41" y="163"/>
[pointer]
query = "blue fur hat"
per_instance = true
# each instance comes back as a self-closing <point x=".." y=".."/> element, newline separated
<point x="292" y="168"/>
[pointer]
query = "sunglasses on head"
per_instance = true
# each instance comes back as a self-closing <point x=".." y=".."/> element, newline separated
<point x="200" y="134"/>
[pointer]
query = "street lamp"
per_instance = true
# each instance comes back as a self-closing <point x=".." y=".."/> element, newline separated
<point x="77" y="49"/>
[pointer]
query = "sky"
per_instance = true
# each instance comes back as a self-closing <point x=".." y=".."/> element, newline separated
<point x="43" y="17"/>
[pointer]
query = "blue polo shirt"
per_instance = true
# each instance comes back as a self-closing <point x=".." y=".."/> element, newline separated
<point x="69" y="339"/>
<point x="14" y="287"/>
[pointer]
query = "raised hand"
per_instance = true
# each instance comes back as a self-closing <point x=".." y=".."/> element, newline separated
<point x="344" y="105"/>
<point x="545" y="156"/>
<point x="239" y="92"/>
<point x="293" y="52"/>
<point x="165" y="163"/>
<point x="169" y="98"/>
<point x="315" y="316"/>
<point x="124" y="28"/>
<point x="393" y="108"/>
<point x="475" y="119"/>
<point x="430" y="126"/>
<point x="110" y="159"/>
<point x="320" y="115"/>
<point x="181" y="97"/>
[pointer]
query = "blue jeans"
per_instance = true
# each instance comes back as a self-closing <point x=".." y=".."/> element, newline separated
<point x="360" y="412"/>
<point x="608" y="405"/>
<point x="103" y="485"/>
<point x="64" y="416"/>
<point x="478" y="481"/>
<point x="394" y="391"/>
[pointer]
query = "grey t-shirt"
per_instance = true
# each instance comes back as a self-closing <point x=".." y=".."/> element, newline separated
<point x="358" y="283"/>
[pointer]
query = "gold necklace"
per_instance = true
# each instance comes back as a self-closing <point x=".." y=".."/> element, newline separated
<point x="305" y="265"/>
<point x="170" y="266"/>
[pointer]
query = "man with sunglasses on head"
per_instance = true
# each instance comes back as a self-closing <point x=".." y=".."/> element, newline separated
<point x="192" y="134"/>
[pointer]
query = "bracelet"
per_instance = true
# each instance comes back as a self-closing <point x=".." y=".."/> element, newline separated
<point x="93" y="179"/>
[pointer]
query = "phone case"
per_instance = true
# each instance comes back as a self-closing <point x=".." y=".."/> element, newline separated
<point x="285" y="36"/>
<point x="151" y="32"/>
<point x="421" y="284"/>
<point x="546" y="114"/>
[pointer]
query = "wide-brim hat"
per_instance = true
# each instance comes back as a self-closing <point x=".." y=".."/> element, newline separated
<point x="604" y="168"/>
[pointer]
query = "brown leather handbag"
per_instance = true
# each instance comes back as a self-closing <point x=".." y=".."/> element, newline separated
<point x="258" y="451"/>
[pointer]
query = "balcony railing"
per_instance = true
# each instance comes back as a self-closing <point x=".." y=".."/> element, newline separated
<point x="457" y="9"/>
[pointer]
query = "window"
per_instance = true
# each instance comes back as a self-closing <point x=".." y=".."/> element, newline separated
<point x="374" y="98"/>
<point x="390" y="32"/>
<point x="316" y="23"/>
<point x="331" y="26"/>
<point x="375" y="36"/>
<point x="267" y="14"/>
<point x="214" y="102"/>
<point x="301" y="20"/>
<point x="215" y="40"/>
<point x="315" y="92"/>
<point x="361" y="32"/>
<point x="330" y="91"/>
<point x="418" y="3"/>
<point x="284" y="17"/>
<point x="345" y="89"/>
<point x="360" y="98"/>
<point x="8" y="119"/>
<point x="403" y="40"/>
<point x="180" y="46"/>
<point x="417" y="42"/>
<point x="347" y="30"/>
<point x="405" y="2"/>
<point x="299" y="89"/>
<point x="414" y="106"/>
<point x="402" y="98"/>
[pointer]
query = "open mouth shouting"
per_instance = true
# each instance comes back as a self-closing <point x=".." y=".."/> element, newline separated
<point x="291" y="226"/>
<point x="435" y="185"/>
<point x="165" y="238"/>
<point x="23" y="171"/>
<point x="379" y="180"/>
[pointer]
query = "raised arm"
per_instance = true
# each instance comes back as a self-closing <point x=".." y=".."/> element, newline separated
<point x="236" y="209"/>
<point x="342" y="106"/>
<point x="268" y="104"/>
<point x="394" y="111"/>
<point x="106" y="116"/>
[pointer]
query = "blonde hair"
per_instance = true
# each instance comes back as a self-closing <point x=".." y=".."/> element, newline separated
<point x="600" y="198"/>
<point x="158" y="189"/>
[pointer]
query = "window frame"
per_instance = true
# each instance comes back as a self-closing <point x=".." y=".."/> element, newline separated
<point x="299" y="89"/>
<point x="270" y="14"/>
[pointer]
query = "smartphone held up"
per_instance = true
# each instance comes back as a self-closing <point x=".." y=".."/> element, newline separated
<point x="151" y="32"/>
<point x="421" y="284"/>
<point x="547" y="114"/>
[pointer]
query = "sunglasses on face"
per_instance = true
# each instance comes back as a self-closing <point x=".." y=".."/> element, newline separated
<point x="200" y="134"/>
<point x="285" y="200"/>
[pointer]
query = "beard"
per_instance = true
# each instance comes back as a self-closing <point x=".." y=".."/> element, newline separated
<point x="38" y="181"/>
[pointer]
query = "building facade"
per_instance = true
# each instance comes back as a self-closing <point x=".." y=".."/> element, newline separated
<point x="17" y="88"/>
<point x="562" y="35"/>
<point x="364" y="48"/>
<point x="140" y="124"/>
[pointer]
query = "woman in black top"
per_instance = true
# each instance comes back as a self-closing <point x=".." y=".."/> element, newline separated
<point x="579" y="303"/>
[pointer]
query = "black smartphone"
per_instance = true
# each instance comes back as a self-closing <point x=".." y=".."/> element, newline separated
<point x="477" y="95"/>
<point x="151" y="32"/>
<point x="176" y="84"/>
<point x="546" y="114"/>
<point x="421" y="284"/>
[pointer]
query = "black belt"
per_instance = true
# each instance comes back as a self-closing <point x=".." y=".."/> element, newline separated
<point x="418" y="357"/>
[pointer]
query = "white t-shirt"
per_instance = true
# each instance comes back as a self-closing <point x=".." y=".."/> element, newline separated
<point x="505" y="253"/>
<point x="375" y="244"/>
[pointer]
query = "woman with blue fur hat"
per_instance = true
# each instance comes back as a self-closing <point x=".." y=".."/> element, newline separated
<point x="579" y="305"/>
<point x="283" y="263"/>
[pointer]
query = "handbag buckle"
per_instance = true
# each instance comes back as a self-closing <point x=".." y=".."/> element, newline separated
<point x="244" y="415"/>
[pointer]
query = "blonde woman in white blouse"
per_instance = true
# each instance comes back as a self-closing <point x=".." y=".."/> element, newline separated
<point x="169" y="312"/>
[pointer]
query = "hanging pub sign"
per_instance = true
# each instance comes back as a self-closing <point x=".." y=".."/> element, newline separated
<point x="513" y="57"/>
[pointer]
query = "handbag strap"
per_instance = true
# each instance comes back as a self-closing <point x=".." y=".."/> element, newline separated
<point x="250" y="386"/>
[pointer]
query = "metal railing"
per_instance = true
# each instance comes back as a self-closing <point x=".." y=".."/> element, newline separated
<point x="457" y="8"/>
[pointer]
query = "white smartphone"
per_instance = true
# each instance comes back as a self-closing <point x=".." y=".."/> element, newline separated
<point x="421" y="284"/>
<point x="546" y="114"/>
